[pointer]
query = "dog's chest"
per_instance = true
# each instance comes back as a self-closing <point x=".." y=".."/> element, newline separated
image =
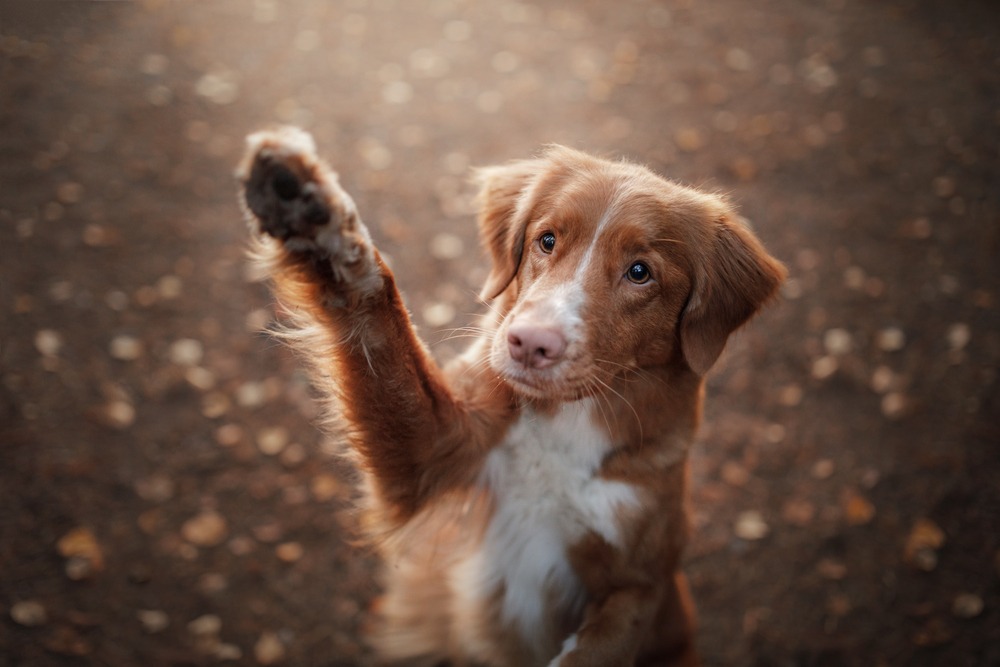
<point x="547" y="495"/>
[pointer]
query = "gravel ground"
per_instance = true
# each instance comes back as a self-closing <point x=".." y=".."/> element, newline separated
<point x="164" y="496"/>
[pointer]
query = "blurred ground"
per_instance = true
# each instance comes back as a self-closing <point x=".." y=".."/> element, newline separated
<point x="164" y="496"/>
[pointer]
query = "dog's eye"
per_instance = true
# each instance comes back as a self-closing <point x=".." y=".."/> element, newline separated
<point x="638" y="273"/>
<point x="547" y="242"/>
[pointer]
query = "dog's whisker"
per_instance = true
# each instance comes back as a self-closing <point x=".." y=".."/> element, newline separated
<point x="624" y="400"/>
<point x="463" y="332"/>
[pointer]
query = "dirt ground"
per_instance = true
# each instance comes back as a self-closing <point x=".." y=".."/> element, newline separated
<point x="165" y="498"/>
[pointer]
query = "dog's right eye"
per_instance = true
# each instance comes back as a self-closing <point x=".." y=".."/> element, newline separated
<point x="547" y="242"/>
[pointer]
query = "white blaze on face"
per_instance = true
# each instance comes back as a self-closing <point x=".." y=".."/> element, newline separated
<point x="560" y="306"/>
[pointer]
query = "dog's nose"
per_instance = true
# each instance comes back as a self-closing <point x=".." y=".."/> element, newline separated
<point x="535" y="346"/>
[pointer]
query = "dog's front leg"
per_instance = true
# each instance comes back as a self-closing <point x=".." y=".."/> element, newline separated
<point x="612" y="630"/>
<point x="648" y="624"/>
<point x="400" y="417"/>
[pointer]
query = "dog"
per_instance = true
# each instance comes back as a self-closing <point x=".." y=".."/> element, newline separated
<point x="528" y="499"/>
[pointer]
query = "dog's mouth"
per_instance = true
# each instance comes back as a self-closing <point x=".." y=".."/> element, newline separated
<point x="548" y="385"/>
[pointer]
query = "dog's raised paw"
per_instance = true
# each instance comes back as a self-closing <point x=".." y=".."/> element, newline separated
<point x="292" y="196"/>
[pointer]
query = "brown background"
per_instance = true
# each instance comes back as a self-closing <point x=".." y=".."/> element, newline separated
<point x="164" y="497"/>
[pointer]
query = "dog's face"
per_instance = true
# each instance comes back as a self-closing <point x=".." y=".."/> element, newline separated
<point x="603" y="268"/>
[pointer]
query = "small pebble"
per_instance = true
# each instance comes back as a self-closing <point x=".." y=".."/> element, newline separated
<point x="798" y="512"/>
<point x="967" y="605"/>
<point x="98" y="236"/>
<point x="119" y="414"/>
<point x="790" y="395"/>
<point x="69" y="193"/>
<point x="823" y="469"/>
<point x="154" y="64"/>
<point x="295" y="495"/>
<point x="457" y="30"/>
<point x="206" y="529"/>
<point x="269" y="649"/>
<point x="439" y="314"/>
<point x="775" y="433"/>
<point x="935" y="632"/>
<point x="268" y="532"/>
<point x="854" y="277"/>
<point x="959" y="336"/>
<point x="824" y="367"/>
<point x="397" y="92"/>
<point x="48" y="342"/>
<point x="882" y="379"/>
<point x="208" y="625"/>
<point x="829" y="568"/>
<point x="750" y="525"/>
<point x="226" y="652"/>
<point x="258" y="320"/>
<point x="839" y="605"/>
<point x="447" y="246"/>
<point x="943" y="186"/>
<point x="289" y="552"/>
<point x="153" y="620"/>
<point x="894" y="405"/>
<point x="219" y="87"/>
<point x="215" y="404"/>
<point x="213" y="583"/>
<point x="200" y="378"/>
<point x="271" y="441"/>
<point x="689" y="139"/>
<point x="83" y="553"/>
<point x="79" y="569"/>
<point x="293" y="454"/>
<point x="240" y="545"/>
<point x="251" y="394"/>
<point x="325" y="487"/>
<point x="186" y="352"/>
<point x="125" y="348"/>
<point x="920" y="228"/>
<point x="156" y="488"/>
<point x="734" y="474"/>
<point x="792" y="289"/>
<point x="29" y="613"/>
<point x="838" y="342"/>
<point x="925" y="560"/>
<point x="739" y="60"/>
<point x="229" y="435"/>
<point x="922" y="545"/>
<point x="891" y="339"/>
<point x="858" y="510"/>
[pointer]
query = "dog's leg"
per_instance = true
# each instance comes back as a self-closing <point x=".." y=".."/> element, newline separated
<point x="401" y="420"/>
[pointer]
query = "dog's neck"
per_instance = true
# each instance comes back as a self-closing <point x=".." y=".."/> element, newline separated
<point x="641" y="411"/>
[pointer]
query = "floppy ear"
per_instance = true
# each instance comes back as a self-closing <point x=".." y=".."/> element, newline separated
<point x="505" y="202"/>
<point x="737" y="277"/>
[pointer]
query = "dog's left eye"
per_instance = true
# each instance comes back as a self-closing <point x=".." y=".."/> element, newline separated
<point x="638" y="273"/>
<point x="547" y="242"/>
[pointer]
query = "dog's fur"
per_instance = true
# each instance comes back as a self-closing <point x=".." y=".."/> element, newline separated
<point x="529" y="499"/>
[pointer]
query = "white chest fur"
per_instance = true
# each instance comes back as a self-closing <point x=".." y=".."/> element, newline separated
<point x="547" y="495"/>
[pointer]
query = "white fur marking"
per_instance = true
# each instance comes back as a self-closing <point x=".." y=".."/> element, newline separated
<point x="568" y="647"/>
<point x="543" y="477"/>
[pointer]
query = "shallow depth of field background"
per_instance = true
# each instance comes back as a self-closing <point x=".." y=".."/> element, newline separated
<point x="165" y="498"/>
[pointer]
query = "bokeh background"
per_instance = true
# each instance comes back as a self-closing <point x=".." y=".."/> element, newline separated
<point x="164" y="496"/>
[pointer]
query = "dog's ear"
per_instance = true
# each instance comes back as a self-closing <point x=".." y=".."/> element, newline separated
<point x="505" y="202"/>
<point x="737" y="276"/>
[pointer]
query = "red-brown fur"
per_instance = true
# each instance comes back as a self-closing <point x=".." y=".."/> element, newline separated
<point x="424" y="437"/>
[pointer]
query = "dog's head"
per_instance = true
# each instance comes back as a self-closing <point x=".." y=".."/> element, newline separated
<point x="600" y="268"/>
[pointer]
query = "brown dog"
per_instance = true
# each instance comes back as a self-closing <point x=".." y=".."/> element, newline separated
<point x="528" y="499"/>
